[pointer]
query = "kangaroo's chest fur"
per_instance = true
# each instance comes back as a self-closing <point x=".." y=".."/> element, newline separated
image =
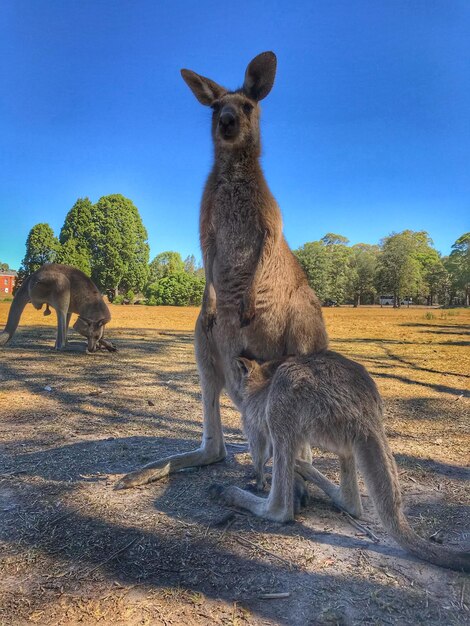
<point x="238" y="228"/>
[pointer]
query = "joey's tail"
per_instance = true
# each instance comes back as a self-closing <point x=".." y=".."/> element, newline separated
<point x="20" y="300"/>
<point x="380" y="473"/>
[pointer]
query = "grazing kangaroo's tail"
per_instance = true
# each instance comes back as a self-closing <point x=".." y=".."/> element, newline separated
<point x="20" y="300"/>
<point x="378" y="467"/>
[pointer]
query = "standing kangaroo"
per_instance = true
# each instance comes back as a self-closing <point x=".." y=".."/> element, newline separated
<point x="333" y="403"/>
<point x="257" y="299"/>
<point x="67" y="290"/>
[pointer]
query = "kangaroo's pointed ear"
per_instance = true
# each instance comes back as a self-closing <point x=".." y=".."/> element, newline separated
<point x="205" y="89"/>
<point x="101" y="322"/>
<point x="259" y="76"/>
<point x="245" y="366"/>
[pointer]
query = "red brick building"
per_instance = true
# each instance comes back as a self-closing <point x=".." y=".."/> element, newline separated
<point x="7" y="282"/>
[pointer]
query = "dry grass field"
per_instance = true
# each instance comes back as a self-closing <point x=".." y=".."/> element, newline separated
<point x="75" y="551"/>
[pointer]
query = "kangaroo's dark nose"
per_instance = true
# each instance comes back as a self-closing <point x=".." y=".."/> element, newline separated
<point x="227" y="119"/>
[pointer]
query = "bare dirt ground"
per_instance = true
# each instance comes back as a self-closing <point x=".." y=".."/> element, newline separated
<point x="73" y="550"/>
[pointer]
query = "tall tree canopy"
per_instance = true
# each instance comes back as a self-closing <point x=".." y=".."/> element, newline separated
<point x="326" y="264"/>
<point x="164" y="264"/>
<point x="76" y="236"/>
<point x="362" y="270"/>
<point x="41" y="247"/>
<point x="458" y="265"/>
<point x="173" y="281"/>
<point x="119" y="248"/>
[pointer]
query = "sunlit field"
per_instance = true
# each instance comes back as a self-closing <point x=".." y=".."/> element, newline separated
<point x="75" y="550"/>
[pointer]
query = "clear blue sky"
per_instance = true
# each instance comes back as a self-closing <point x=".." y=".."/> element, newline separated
<point x="366" y="131"/>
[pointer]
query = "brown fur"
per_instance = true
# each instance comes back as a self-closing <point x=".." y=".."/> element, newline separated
<point x="257" y="298"/>
<point x="68" y="291"/>
<point x="333" y="403"/>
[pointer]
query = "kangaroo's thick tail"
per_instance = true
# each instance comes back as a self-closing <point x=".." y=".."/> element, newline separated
<point x="378" y="467"/>
<point x="20" y="300"/>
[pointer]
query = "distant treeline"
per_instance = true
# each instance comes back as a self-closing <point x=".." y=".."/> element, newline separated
<point x="108" y="241"/>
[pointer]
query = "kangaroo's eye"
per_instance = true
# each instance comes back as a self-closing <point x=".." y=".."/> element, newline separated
<point x="215" y="106"/>
<point x="247" y="108"/>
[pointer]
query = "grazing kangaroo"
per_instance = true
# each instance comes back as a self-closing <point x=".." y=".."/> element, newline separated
<point x="67" y="290"/>
<point x="333" y="403"/>
<point x="257" y="299"/>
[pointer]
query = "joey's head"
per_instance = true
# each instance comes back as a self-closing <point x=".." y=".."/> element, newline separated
<point x="235" y="114"/>
<point x="91" y="329"/>
<point x="254" y="377"/>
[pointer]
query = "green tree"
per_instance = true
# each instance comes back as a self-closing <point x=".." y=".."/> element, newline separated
<point x="458" y="265"/>
<point x="399" y="270"/>
<point x="338" y="254"/>
<point x="165" y="264"/>
<point x="314" y="260"/>
<point x="362" y="270"/>
<point x="76" y="236"/>
<point x="438" y="281"/>
<point x="4" y="267"/>
<point x="70" y="254"/>
<point x="176" y="289"/>
<point x="41" y="247"/>
<point x="326" y="264"/>
<point x="119" y="248"/>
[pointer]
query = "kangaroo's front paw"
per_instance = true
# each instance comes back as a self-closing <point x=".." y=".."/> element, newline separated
<point x="210" y="320"/>
<point x="247" y="313"/>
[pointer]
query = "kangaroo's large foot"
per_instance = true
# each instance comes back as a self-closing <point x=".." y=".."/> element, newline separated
<point x="170" y="464"/>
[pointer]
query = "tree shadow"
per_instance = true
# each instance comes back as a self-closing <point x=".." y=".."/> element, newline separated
<point x="430" y="466"/>
<point x="455" y="391"/>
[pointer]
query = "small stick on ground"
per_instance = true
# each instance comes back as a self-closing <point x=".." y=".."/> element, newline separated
<point x="251" y="544"/>
<point x="358" y="526"/>
<point x="111" y="556"/>
<point x="274" y="596"/>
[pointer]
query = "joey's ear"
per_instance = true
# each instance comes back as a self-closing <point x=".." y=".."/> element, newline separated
<point x="259" y="76"/>
<point x="205" y="89"/>
<point x="101" y="322"/>
<point x="245" y="366"/>
<point x="85" y="319"/>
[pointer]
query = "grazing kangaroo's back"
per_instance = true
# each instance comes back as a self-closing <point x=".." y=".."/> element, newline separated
<point x="68" y="290"/>
<point x="257" y="300"/>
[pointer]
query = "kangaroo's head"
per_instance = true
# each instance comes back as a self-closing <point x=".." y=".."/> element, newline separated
<point x="91" y="329"/>
<point x="235" y="117"/>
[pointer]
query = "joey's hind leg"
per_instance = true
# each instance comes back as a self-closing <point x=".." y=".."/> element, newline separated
<point x="349" y="488"/>
<point x="279" y="505"/>
<point x="212" y="448"/>
<point x="347" y="495"/>
<point x="261" y="451"/>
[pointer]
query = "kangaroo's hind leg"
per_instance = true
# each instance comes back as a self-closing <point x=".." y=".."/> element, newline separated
<point x="212" y="448"/>
<point x="61" y="340"/>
